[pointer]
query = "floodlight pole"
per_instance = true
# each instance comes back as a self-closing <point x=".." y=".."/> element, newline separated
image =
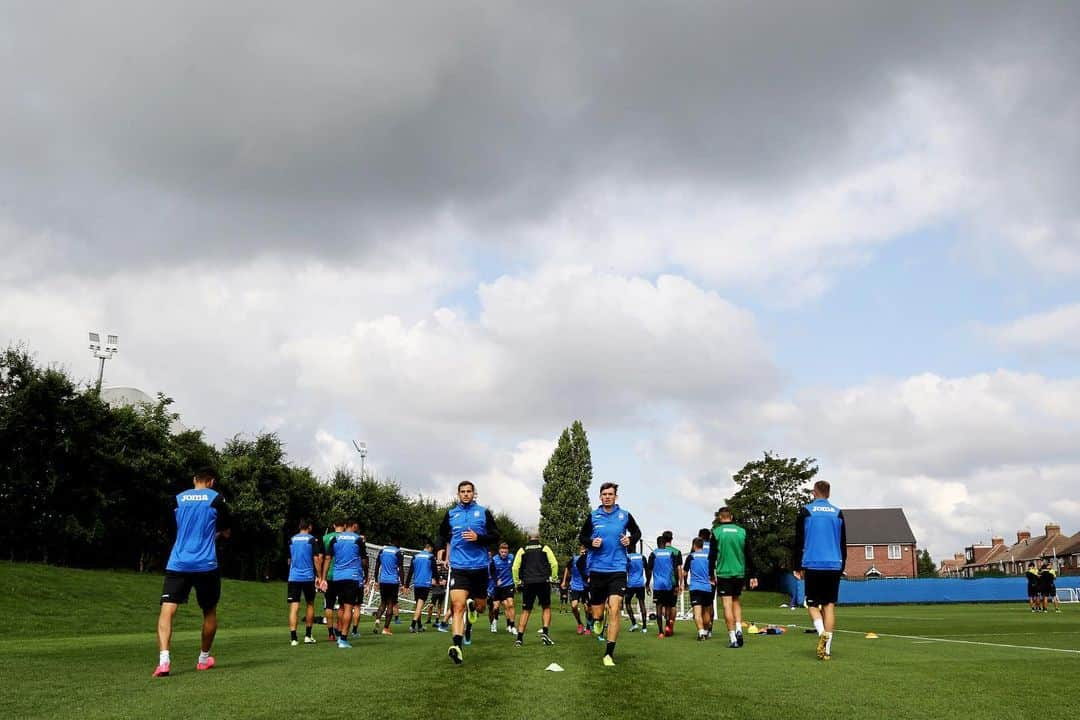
<point x="103" y="352"/>
<point x="362" y="449"/>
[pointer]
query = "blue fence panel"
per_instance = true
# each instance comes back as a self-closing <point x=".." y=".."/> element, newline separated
<point x="928" y="590"/>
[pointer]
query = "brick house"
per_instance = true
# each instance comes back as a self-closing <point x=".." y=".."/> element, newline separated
<point x="879" y="544"/>
<point x="1013" y="559"/>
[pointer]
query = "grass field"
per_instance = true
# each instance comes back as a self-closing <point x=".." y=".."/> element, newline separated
<point x="81" y="644"/>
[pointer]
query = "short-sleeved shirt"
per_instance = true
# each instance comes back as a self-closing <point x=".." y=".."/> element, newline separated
<point x="421" y="569"/>
<point x="390" y="562"/>
<point x="303" y="548"/>
<point x="697" y="568"/>
<point x="502" y="570"/>
<point x="326" y="543"/>
<point x="348" y="550"/>
<point x="199" y="512"/>
<point x="663" y="562"/>
<point x="635" y="570"/>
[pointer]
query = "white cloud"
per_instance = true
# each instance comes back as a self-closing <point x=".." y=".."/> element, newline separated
<point x="1057" y="329"/>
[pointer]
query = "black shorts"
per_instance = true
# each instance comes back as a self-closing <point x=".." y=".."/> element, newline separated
<point x="330" y="601"/>
<point x="178" y="586"/>
<point x="388" y="593"/>
<point x="438" y="594"/>
<point x="474" y="582"/>
<point x="822" y="587"/>
<point x="420" y="594"/>
<point x="729" y="587"/>
<point x="635" y="592"/>
<point x="581" y="596"/>
<point x="703" y="598"/>
<point x="604" y="585"/>
<point x="536" y="592"/>
<point x="1048" y="591"/>
<point x="298" y="588"/>
<point x="1033" y="590"/>
<point x="564" y="595"/>
<point x="664" y="597"/>
<point x="506" y="592"/>
<point x="347" y="592"/>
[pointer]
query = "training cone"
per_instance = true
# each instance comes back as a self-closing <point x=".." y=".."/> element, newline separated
<point x="554" y="667"/>
<point x="753" y="629"/>
<point x="871" y="636"/>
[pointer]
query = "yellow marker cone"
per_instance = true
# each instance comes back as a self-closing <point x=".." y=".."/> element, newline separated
<point x="871" y="636"/>
<point x="753" y="629"/>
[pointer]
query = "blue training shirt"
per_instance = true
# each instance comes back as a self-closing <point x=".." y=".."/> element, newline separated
<point x="577" y="582"/>
<point x="303" y="547"/>
<point x="821" y="530"/>
<point x="698" y="563"/>
<point x="610" y="527"/>
<point x="466" y="555"/>
<point x="635" y="570"/>
<point x="347" y="549"/>
<point x="197" y="514"/>
<point x="503" y="570"/>
<point x="390" y="565"/>
<point x="663" y="568"/>
<point x="422" y="564"/>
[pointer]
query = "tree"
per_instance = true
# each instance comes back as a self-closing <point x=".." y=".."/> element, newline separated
<point x="564" y="500"/>
<point x="771" y="491"/>
<point x="925" y="564"/>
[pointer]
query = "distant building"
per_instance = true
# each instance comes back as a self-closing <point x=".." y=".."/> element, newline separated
<point x="116" y="397"/>
<point x="879" y="544"/>
<point x="1013" y="559"/>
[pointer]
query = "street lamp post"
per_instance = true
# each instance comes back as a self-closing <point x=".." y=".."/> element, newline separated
<point x="103" y="352"/>
<point x="362" y="449"/>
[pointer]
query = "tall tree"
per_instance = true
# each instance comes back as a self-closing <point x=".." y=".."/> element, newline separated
<point x="925" y="564"/>
<point x="771" y="491"/>
<point x="564" y="501"/>
<point x="579" y="447"/>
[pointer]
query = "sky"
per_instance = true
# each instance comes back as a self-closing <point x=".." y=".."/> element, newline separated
<point x="842" y="230"/>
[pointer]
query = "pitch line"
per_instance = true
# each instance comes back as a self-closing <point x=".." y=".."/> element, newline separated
<point x="920" y="638"/>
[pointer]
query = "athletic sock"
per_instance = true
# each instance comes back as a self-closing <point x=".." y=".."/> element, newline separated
<point x="293" y="634"/>
<point x="819" y="625"/>
<point x="457" y="640"/>
<point x="307" y="631"/>
<point x="828" y="643"/>
<point x="204" y="656"/>
<point x="733" y="635"/>
<point x="610" y="649"/>
<point x="164" y="658"/>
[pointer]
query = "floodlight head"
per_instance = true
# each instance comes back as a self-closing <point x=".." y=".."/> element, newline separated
<point x="95" y="337"/>
<point x="113" y="340"/>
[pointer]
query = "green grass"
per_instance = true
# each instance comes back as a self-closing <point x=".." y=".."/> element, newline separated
<point x="81" y="644"/>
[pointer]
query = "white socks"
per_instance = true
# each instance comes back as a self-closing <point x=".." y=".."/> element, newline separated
<point x="828" y="643"/>
<point x="819" y="625"/>
<point x="163" y="658"/>
<point x="733" y="636"/>
<point x="204" y="656"/>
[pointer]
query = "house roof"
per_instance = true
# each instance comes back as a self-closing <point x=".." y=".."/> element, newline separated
<point x="998" y="553"/>
<point x="1072" y="547"/>
<point x="1061" y="545"/>
<point x="1030" y="549"/>
<point x="877" y="526"/>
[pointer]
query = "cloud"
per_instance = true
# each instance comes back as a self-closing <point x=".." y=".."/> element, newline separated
<point x="543" y="346"/>
<point x="159" y="137"/>
<point x="1056" y="329"/>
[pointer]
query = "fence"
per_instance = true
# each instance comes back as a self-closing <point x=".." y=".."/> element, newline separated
<point x="929" y="590"/>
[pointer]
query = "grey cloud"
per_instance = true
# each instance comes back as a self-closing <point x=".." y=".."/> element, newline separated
<point x="162" y="132"/>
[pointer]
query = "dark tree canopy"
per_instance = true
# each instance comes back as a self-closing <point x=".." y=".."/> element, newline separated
<point x="771" y="491"/>
<point x="564" y="501"/>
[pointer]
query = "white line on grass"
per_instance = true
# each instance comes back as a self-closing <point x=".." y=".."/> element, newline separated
<point x="965" y="642"/>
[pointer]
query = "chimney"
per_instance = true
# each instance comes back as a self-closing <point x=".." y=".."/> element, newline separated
<point x="994" y="542"/>
<point x="1052" y="529"/>
<point x="1023" y="536"/>
<point x="959" y="557"/>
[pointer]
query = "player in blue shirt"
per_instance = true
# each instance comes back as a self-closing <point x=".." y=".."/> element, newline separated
<point x="467" y="530"/>
<point x="390" y="573"/>
<point x="201" y="517"/>
<point x="348" y="553"/>
<point x="305" y="574"/>
<point x="574" y="580"/>
<point x="607" y="533"/>
<point x="501" y="570"/>
<point x="420" y="576"/>
<point x="821" y="554"/>
<point x="699" y="578"/>
<point x="660" y="572"/>
<point x="635" y="588"/>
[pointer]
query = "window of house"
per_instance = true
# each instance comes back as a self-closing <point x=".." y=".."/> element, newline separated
<point x="894" y="552"/>
<point x="869" y="552"/>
